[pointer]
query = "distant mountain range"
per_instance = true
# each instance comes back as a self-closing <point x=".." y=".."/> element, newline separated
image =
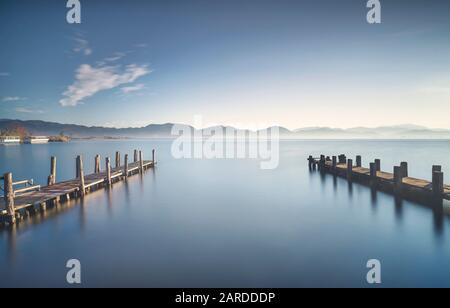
<point x="164" y="131"/>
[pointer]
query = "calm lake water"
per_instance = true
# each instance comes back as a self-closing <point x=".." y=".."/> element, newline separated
<point x="227" y="223"/>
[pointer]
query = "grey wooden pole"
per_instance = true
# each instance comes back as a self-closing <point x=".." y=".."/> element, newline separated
<point x="97" y="164"/>
<point x="81" y="176"/>
<point x="404" y="167"/>
<point x="53" y="170"/>
<point x="334" y="163"/>
<point x="153" y="156"/>
<point x="378" y="164"/>
<point x="436" y="168"/>
<point x="9" y="197"/>
<point x="77" y="170"/>
<point x="398" y="179"/>
<point x="126" y="166"/>
<point x="108" y="171"/>
<point x="117" y="159"/>
<point x="373" y="174"/>
<point x="135" y="156"/>
<point x="358" y="161"/>
<point x="349" y="169"/>
<point x="438" y="184"/>
<point x="310" y="161"/>
<point x="141" y="162"/>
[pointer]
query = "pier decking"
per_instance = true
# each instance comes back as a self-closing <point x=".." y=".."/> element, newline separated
<point x="19" y="203"/>
<point x="398" y="182"/>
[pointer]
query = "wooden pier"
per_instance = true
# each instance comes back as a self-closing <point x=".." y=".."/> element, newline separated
<point x="19" y="203"/>
<point x="398" y="183"/>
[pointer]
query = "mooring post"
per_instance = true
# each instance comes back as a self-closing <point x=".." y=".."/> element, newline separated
<point x="436" y="168"/>
<point x="97" y="164"/>
<point x="77" y="170"/>
<point x="334" y="164"/>
<point x="53" y="170"/>
<point x="322" y="162"/>
<point x="398" y="179"/>
<point x="50" y="180"/>
<point x="153" y="156"/>
<point x="310" y="161"/>
<point x="349" y="169"/>
<point x="438" y="184"/>
<point x="81" y="175"/>
<point x="404" y="167"/>
<point x="108" y="171"/>
<point x="358" y="161"/>
<point x="141" y="162"/>
<point x="9" y="197"/>
<point x="117" y="159"/>
<point x="135" y="156"/>
<point x="373" y="174"/>
<point x="378" y="164"/>
<point x="126" y="166"/>
<point x="342" y="159"/>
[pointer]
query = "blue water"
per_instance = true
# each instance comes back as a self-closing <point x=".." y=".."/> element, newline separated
<point x="227" y="223"/>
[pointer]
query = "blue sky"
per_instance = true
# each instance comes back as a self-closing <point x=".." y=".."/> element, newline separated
<point x="293" y="63"/>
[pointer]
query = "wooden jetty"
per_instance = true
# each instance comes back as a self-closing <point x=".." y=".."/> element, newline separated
<point x="398" y="183"/>
<point x="19" y="203"/>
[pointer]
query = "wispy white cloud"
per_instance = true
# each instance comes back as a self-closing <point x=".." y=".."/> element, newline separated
<point x="141" y="45"/>
<point x="89" y="80"/>
<point x="4" y="74"/>
<point x="134" y="88"/>
<point x="28" y="110"/>
<point x="82" y="46"/>
<point x="13" y="98"/>
<point x="117" y="56"/>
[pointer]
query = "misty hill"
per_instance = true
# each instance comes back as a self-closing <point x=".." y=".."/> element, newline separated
<point x="408" y="131"/>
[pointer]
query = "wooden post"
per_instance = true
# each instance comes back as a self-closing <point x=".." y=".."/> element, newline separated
<point x="436" y="168"/>
<point x="153" y="157"/>
<point x="117" y="159"/>
<point x="398" y="179"/>
<point x="404" y="167"/>
<point x="9" y="197"/>
<point x="81" y="175"/>
<point x="310" y="161"/>
<point x="97" y="164"/>
<point x="373" y="174"/>
<point x="342" y="159"/>
<point x="126" y="166"/>
<point x="77" y="166"/>
<point x="358" y="161"/>
<point x="141" y="162"/>
<point x="135" y="156"/>
<point x="378" y="164"/>
<point x="438" y="184"/>
<point x="334" y="164"/>
<point x="108" y="171"/>
<point x="53" y="170"/>
<point x="349" y="169"/>
<point x="50" y="180"/>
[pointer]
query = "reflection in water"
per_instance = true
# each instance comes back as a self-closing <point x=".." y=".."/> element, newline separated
<point x="82" y="214"/>
<point x="109" y="200"/>
<point x="241" y="219"/>
<point x="398" y="208"/>
<point x="350" y="189"/>
<point x="373" y="198"/>
<point x="438" y="217"/>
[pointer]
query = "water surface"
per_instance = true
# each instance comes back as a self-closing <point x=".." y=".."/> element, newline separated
<point x="227" y="223"/>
